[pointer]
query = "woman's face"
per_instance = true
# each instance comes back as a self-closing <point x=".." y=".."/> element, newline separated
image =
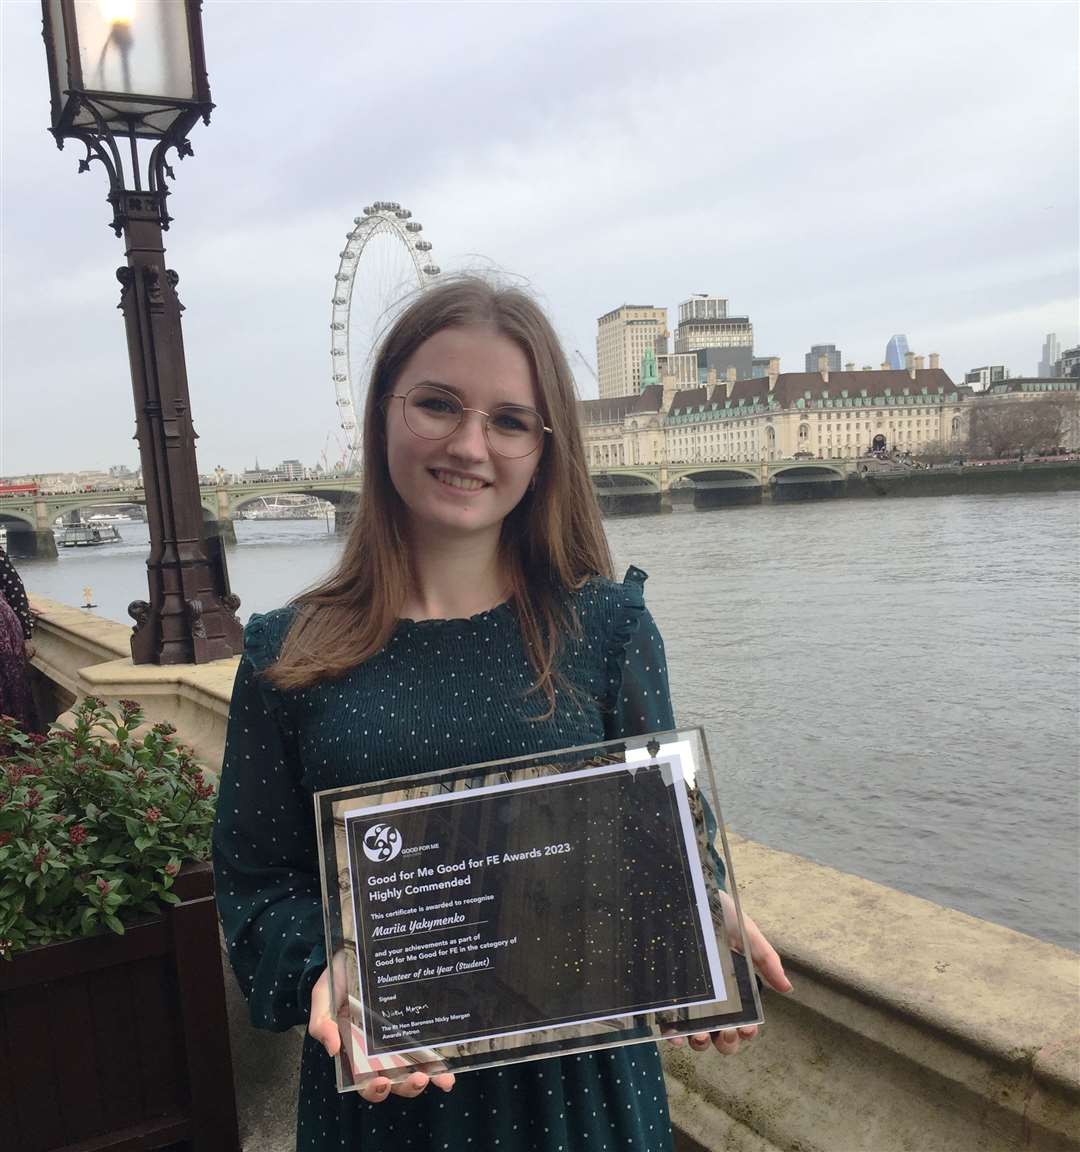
<point x="459" y="485"/>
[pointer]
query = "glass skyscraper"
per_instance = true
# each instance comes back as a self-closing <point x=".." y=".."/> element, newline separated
<point x="895" y="351"/>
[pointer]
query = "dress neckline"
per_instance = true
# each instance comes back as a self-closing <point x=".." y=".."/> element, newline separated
<point x="501" y="609"/>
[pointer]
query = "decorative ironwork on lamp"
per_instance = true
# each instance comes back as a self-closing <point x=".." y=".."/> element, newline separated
<point x="125" y="73"/>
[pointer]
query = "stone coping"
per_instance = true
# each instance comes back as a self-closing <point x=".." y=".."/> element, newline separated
<point x="110" y="641"/>
<point x="108" y="637"/>
<point x="1010" y="996"/>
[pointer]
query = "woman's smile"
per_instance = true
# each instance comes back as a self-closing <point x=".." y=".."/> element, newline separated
<point x="463" y="481"/>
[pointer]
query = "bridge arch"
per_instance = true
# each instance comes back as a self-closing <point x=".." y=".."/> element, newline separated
<point x="727" y="476"/>
<point x="808" y="471"/>
<point x="612" y="482"/>
<point x="10" y="516"/>
<point x="90" y="500"/>
<point x="239" y="499"/>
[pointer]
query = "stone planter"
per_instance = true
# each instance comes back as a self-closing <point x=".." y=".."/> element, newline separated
<point x="121" y="1042"/>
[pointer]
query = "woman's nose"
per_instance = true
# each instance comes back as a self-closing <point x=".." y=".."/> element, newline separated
<point x="469" y="439"/>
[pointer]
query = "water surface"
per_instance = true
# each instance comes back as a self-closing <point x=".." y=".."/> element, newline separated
<point x="887" y="688"/>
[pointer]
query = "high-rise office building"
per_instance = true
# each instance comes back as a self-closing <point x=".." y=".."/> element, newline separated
<point x="683" y="366"/>
<point x="1051" y="354"/>
<point x="721" y="360"/>
<point x="895" y="352"/>
<point x="704" y="323"/>
<point x="622" y="336"/>
<point x="829" y="351"/>
<point x="981" y="378"/>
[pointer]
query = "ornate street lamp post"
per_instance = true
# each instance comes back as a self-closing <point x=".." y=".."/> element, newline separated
<point x="129" y="76"/>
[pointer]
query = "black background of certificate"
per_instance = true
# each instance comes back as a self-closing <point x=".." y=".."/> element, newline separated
<point x="609" y="928"/>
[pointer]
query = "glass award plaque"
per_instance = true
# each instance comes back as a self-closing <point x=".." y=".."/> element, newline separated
<point x="526" y="908"/>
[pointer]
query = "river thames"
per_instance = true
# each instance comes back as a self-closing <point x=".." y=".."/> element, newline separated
<point x="888" y="688"/>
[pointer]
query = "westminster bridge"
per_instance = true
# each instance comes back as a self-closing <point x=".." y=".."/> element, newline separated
<point x="29" y="519"/>
<point x="631" y="489"/>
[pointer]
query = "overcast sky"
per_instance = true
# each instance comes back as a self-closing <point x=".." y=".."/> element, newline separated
<point x="840" y="172"/>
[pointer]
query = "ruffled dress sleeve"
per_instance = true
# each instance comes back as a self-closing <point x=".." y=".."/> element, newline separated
<point x="264" y="847"/>
<point x="639" y="697"/>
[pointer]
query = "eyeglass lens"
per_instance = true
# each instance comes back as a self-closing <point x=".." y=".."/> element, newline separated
<point x="434" y="414"/>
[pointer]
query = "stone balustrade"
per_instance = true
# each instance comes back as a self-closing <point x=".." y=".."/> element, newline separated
<point x="912" y="1027"/>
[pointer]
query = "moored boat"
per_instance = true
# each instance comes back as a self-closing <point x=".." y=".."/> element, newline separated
<point x="89" y="535"/>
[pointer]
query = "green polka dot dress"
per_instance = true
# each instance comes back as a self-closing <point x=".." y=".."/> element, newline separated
<point x="441" y="693"/>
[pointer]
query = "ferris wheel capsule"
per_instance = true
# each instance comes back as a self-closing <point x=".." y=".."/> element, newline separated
<point x="414" y="226"/>
<point x="432" y="269"/>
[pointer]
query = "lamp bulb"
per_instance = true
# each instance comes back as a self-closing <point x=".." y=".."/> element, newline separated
<point x="117" y="11"/>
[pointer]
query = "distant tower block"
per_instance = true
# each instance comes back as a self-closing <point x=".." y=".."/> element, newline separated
<point x="896" y="352"/>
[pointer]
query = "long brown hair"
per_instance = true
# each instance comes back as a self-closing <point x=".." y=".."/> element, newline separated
<point x="551" y="543"/>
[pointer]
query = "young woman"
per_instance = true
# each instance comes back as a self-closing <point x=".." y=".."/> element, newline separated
<point x="472" y="617"/>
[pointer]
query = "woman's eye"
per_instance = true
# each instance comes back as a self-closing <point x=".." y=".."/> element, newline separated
<point x="509" y="422"/>
<point x="436" y="404"/>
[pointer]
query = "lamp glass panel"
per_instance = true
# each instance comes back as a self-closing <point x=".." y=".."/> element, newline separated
<point x="56" y="31"/>
<point x="135" y="47"/>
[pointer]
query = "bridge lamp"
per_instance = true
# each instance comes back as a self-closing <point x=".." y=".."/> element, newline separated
<point x="128" y="82"/>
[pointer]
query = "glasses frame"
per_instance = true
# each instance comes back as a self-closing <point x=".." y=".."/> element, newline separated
<point x="461" y="419"/>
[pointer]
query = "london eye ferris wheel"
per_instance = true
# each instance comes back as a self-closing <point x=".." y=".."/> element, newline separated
<point x="384" y="259"/>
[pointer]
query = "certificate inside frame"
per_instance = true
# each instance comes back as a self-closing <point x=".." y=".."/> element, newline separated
<point x="531" y="907"/>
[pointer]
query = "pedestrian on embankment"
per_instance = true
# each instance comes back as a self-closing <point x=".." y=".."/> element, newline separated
<point x="16" y="647"/>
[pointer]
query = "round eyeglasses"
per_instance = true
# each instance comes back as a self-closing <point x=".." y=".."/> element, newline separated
<point x="433" y="413"/>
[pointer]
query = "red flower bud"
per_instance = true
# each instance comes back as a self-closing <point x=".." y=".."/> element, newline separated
<point x="153" y="815"/>
<point x="77" y="834"/>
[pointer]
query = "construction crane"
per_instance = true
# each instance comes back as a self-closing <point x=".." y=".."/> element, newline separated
<point x="592" y="370"/>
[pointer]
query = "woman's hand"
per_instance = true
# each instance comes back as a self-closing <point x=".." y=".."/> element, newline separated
<point x="29" y="649"/>
<point x="765" y="960"/>
<point x="323" y="1026"/>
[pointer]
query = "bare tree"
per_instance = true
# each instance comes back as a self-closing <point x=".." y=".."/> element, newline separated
<point x="1008" y="426"/>
<point x="939" y="452"/>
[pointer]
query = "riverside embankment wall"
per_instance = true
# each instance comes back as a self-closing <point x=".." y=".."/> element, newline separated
<point x="965" y="480"/>
<point x="912" y="1027"/>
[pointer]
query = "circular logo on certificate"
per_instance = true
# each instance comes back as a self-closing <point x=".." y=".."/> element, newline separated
<point x="382" y="842"/>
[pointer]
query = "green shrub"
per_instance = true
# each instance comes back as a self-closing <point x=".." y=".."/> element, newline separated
<point x="94" y="824"/>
